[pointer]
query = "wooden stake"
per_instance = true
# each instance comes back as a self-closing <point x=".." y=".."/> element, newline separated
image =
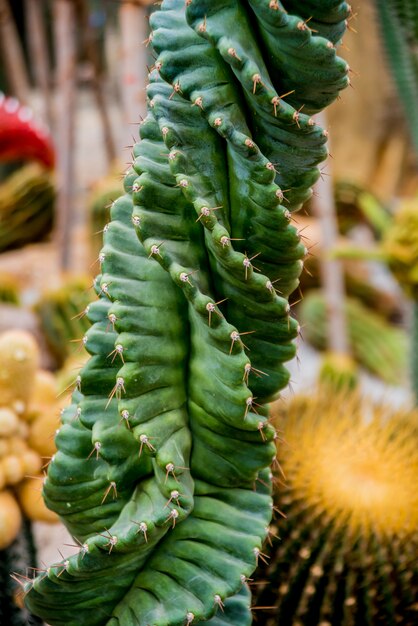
<point x="65" y="50"/>
<point x="97" y="79"/>
<point x="134" y="30"/>
<point x="331" y="269"/>
<point x="40" y="63"/>
<point x="14" y="61"/>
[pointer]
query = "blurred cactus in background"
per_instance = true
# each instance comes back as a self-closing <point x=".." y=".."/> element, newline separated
<point x="26" y="206"/>
<point x="62" y="316"/>
<point x="104" y="193"/>
<point x="9" y="291"/>
<point x="399" y="28"/>
<point x="376" y="345"/>
<point x="28" y="419"/>
<point x="346" y="553"/>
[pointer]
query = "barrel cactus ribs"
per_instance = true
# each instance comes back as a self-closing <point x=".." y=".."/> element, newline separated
<point x="348" y="546"/>
<point x="162" y="473"/>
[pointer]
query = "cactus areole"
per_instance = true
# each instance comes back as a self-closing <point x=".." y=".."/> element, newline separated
<point x="162" y="473"/>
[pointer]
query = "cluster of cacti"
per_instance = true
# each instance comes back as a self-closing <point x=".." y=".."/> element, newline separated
<point x="26" y="206"/>
<point x="21" y="137"/>
<point x="28" y="420"/>
<point x="17" y="459"/>
<point x="103" y="194"/>
<point x="376" y="345"/>
<point x="162" y="470"/>
<point x="62" y="316"/>
<point x="348" y="546"/>
<point x="9" y="291"/>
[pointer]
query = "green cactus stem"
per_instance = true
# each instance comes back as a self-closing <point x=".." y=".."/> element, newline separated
<point x="347" y="549"/>
<point x="162" y="470"/>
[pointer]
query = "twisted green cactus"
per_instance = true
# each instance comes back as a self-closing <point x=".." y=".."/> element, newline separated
<point x="162" y="471"/>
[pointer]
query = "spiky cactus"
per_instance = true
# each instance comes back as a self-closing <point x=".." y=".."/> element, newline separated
<point x="347" y="550"/>
<point x="162" y="469"/>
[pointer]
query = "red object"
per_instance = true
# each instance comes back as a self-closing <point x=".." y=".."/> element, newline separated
<point x="21" y="138"/>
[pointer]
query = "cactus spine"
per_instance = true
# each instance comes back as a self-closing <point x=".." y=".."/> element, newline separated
<point x="162" y="470"/>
